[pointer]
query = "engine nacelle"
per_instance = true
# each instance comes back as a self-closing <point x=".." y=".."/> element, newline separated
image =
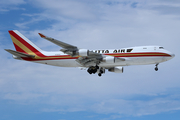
<point x="83" y="52"/>
<point x="116" y="69"/>
<point x="109" y="59"/>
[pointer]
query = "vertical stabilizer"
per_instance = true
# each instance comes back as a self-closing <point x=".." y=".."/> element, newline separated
<point x="23" y="44"/>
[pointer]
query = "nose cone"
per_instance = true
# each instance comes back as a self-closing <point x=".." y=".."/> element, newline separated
<point x="172" y="55"/>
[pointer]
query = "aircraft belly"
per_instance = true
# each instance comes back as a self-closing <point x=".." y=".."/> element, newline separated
<point x="129" y="61"/>
<point x="60" y="63"/>
<point x="146" y="60"/>
<point x="135" y="61"/>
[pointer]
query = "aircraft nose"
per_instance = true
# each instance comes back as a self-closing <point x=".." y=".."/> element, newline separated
<point x="172" y="55"/>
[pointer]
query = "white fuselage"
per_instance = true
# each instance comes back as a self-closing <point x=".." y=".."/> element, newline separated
<point x="95" y="60"/>
<point x="142" y="55"/>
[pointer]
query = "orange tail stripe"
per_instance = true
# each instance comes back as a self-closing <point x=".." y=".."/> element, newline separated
<point x="19" y="49"/>
<point x="25" y="43"/>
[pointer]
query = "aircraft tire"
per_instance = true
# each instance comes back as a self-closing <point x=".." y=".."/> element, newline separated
<point x="156" y="68"/>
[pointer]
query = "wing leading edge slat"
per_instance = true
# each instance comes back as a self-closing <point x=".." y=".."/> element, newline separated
<point x="59" y="43"/>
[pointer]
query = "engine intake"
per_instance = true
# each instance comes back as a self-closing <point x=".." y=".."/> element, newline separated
<point x="83" y="52"/>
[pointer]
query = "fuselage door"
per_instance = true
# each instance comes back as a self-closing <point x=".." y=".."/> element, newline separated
<point x="155" y="48"/>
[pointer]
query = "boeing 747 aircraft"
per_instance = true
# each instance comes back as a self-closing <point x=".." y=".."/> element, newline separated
<point x="96" y="61"/>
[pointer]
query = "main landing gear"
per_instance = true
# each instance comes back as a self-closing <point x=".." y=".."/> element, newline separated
<point x="156" y="68"/>
<point x="95" y="69"/>
<point x="101" y="71"/>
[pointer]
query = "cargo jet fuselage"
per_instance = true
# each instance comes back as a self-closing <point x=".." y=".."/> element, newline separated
<point x="96" y="61"/>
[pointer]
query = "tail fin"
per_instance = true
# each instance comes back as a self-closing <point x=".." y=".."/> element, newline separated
<point x="23" y="44"/>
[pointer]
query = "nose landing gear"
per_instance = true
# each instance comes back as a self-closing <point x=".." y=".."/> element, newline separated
<point x="156" y="68"/>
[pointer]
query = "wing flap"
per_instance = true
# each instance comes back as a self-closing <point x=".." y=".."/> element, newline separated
<point x="87" y="61"/>
<point x="19" y="54"/>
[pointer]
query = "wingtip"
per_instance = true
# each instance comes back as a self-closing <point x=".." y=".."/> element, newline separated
<point x="43" y="36"/>
<point x="6" y="49"/>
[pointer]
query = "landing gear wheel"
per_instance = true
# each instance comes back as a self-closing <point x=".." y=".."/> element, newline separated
<point x="93" y="69"/>
<point x="101" y="71"/>
<point x="156" y="68"/>
<point x="97" y="67"/>
<point x="89" y="71"/>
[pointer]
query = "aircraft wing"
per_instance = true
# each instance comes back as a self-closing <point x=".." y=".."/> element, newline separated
<point x="19" y="54"/>
<point x="86" y="58"/>
<point x="89" y="61"/>
<point x="75" y="51"/>
<point x="60" y="43"/>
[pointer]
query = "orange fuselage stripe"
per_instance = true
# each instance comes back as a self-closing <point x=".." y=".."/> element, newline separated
<point x="62" y="57"/>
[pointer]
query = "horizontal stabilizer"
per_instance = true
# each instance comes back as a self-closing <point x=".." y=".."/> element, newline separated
<point x="19" y="54"/>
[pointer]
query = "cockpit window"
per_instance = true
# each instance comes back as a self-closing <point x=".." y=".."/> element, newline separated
<point x="161" y="48"/>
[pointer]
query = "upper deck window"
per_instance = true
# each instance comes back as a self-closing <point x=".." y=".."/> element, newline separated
<point x="129" y="50"/>
<point x="161" y="48"/>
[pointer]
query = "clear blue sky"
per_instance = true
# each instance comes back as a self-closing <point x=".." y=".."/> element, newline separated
<point x="31" y="91"/>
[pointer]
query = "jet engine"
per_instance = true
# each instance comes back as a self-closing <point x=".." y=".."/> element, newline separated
<point x="109" y="59"/>
<point x="80" y="52"/>
<point x="116" y="69"/>
<point x="83" y="52"/>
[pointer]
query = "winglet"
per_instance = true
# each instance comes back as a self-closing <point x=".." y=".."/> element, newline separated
<point x="43" y="36"/>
